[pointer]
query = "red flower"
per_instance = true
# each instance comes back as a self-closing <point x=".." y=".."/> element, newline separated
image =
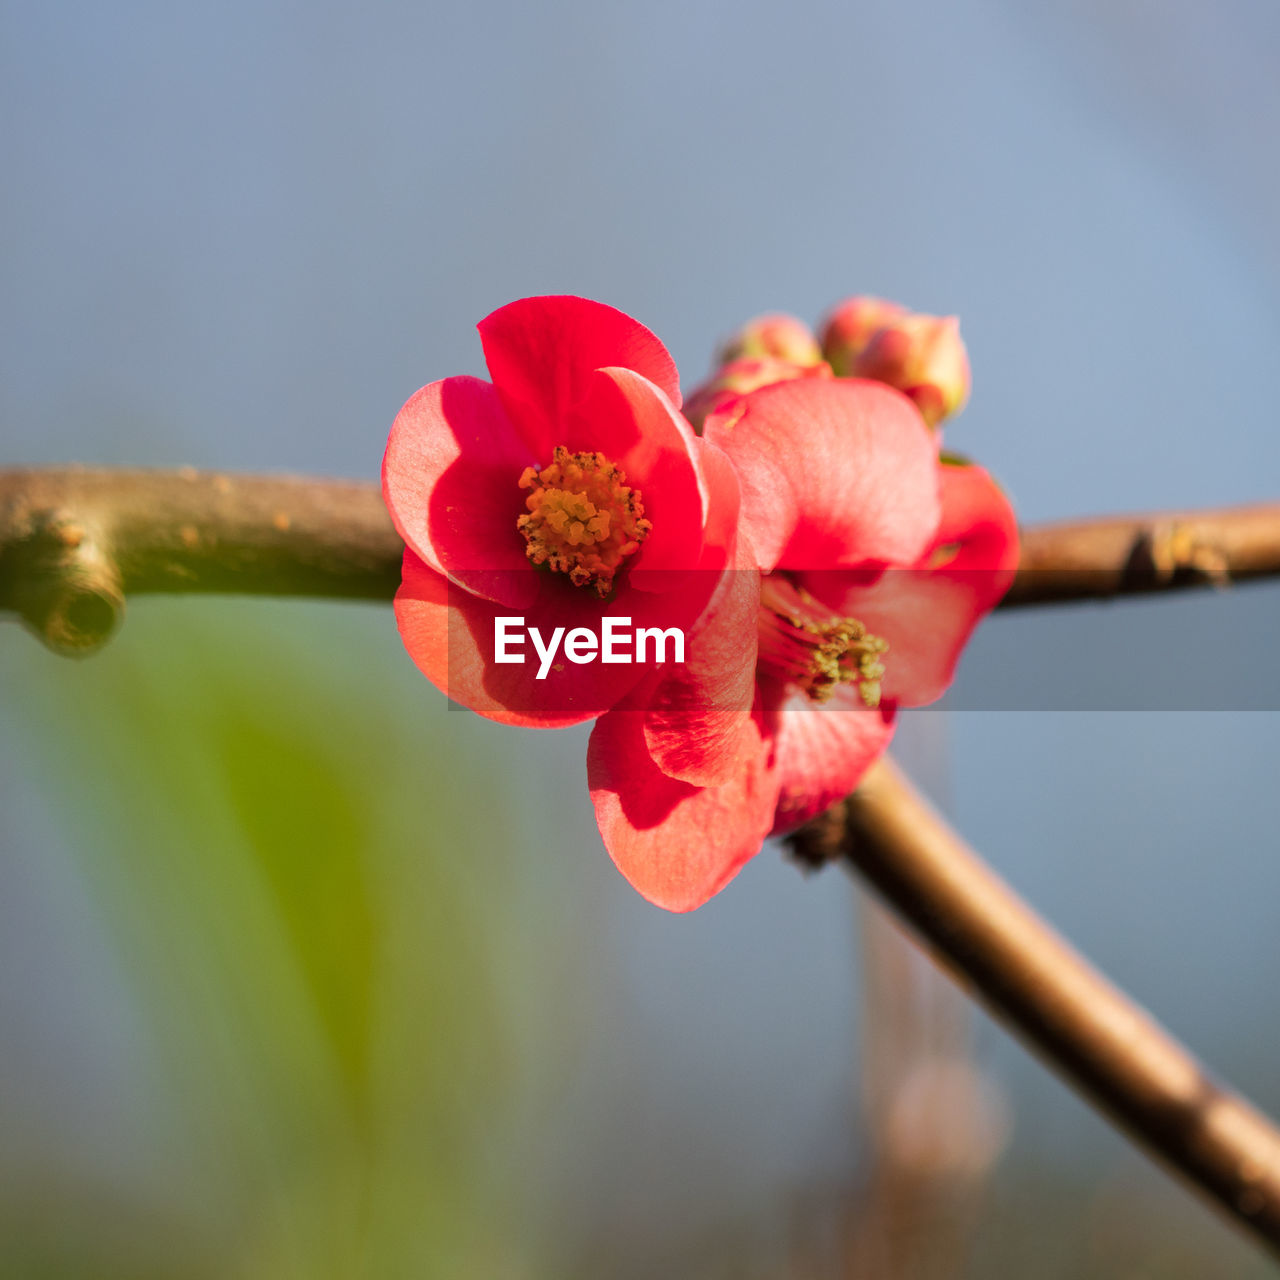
<point x="873" y="562"/>
<point x="829" y="566"/>
<point x="568" y="487"/>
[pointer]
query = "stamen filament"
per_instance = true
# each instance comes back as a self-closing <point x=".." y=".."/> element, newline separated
<point x="803" y="642"/>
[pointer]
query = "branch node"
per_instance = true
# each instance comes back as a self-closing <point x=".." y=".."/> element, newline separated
<point x="1173" y="553"/>
<point x="821" y="840"/>
<point x="63" y="583"/>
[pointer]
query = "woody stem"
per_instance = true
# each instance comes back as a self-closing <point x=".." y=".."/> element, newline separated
<point x="74" y="543"/>
<point x="1089" y="1031"/>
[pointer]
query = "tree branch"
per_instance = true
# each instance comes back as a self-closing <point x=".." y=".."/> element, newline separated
<point x="1160" y="551"/>
<point x="74" y="543"/>
<point x="1086" y="1029"/>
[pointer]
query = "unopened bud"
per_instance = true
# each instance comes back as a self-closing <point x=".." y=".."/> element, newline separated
<point x="924" y="357"/>
<point x="739" y="377"/>
<point x="851" y="326"/>
<point x="774" y="337"/>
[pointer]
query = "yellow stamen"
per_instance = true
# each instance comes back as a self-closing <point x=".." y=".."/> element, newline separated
<point x="805" y="643"/>
<point x="582" y="520"/>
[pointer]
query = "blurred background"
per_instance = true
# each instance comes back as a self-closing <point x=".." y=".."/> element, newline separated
<point x="303" y="974"/>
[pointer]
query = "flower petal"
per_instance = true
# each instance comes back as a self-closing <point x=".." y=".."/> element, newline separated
<point x="834" y="473"/>
<point x="542" y="351"/>
<point x="449" y="633"/>
<point x="978" y="530"/>
<point x="928" y="613"/>
<point x="677" y="844"/>
<point x="695" y="715"/>
<point x="821" y="750"/>
<point x="450" y="479"/>
<point x="695" y="711"/>
<point x="629" y="420"/>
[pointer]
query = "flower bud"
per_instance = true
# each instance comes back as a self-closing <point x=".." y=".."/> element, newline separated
<point x="777" y="337"/>
<point x="740" y="376"/>
<point x="924" y="357"/>
<point x="851" y="326"/>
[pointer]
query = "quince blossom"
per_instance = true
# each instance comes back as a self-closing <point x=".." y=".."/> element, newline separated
<point x="828" y="565"/>
<point x="568" y="487"/>
<point x="874" y="561"/>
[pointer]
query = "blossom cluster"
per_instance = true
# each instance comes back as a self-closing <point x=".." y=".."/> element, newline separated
<point x="798" y="522"/>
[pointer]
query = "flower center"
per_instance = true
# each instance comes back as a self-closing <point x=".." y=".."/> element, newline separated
<point x="582" y="520"/>
<point x="805" y="643"/>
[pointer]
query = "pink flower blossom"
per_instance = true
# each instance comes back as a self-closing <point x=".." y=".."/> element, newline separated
<point x="872" y="562"/>
<point x="568" y="487"/>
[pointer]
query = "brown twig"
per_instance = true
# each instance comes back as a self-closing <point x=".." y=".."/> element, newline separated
<point x="1085" y="1028"/>
<point x="1160" y="551"/>
<point x="74" y="543"/>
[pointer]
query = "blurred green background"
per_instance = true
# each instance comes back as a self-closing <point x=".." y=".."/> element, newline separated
<point x="304" y="974"/>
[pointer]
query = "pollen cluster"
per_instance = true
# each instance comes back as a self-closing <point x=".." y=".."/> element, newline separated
<point x="582" y="520"/>
<point x="806" y="644"/>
